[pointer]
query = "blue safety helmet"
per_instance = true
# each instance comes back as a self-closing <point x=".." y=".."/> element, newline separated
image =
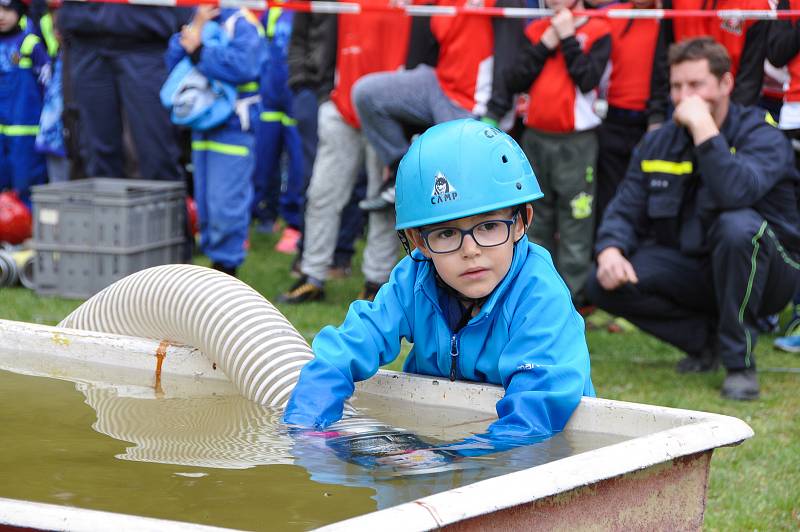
<point x="461" y="168"/>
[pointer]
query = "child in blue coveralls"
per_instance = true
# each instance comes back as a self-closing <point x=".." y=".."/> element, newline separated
<point x="478" y="301"/>
<point x="24" y="71"/>
<point x="277" y="134"/>
<point x="224" y="157"/>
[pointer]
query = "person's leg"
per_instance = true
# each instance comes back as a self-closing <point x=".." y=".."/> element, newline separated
<point x="673" y="300"/>
<point x="753" y="277"/>
<point x="380" y="253"/>
<point x="339" y="156"/>
<point x="291" y="201"/>
<point x="28" y="167"/>
<point x="199" y="180"/>
<point x="352" y="224"/>
<point x="229" y="193"/>
<point x="574" y="185"/>
<point x="98" y="105"/>
<point x="615" y="145"/>
<point x="267" y="173"/>
<point x="139" y="76"/>
<point x="386" y="100"/>
<point x="542" y="230"/>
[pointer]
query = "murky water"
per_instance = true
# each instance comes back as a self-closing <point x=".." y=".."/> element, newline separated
<point x="223" y="460"/>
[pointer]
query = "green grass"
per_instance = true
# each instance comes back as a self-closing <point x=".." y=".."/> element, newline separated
<point x="755" y="486"/>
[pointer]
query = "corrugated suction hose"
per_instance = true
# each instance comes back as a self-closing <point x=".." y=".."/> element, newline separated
<point x="232" y="324"/>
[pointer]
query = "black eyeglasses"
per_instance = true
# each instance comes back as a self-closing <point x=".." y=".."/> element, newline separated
<point x="486" y="234"/>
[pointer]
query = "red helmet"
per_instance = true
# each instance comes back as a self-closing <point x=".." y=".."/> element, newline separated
<point x="15" y="219"/>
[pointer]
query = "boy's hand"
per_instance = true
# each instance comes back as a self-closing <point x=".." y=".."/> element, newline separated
<point x="563" y="23"/>
<point x="550" y="38"/>
<point x="614" y="270"/>
<point x="203" y="14"/>
<point x="190" y="39"/>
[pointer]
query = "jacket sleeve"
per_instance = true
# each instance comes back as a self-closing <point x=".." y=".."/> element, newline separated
<point x="586" y="69"/>
<point x="175" y="52"/>
<point x="545" y="365"/>
<point x="299" y="50"/>
<point x="625" y="218"/>
<point x="750" y="77"/>
<point x="509" y="38"/>
<point x="369" y="338"/>
<point x="423" y="48"/>
<point x="517" y="77"/>
<point x="783" y="41"/>
<point x="738" y="180"/>
<point x="239" y="61"/>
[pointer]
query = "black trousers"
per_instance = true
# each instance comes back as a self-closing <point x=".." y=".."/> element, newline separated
<point x="697" y="303"/>
<point x="617" y="138"/>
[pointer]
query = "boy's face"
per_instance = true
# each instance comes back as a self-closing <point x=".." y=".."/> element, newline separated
<point x="8" y="19"/>
<point x="473" y="270"/>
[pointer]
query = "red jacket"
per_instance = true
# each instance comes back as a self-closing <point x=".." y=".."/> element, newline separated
<point x="633" y="43"/>
<point x="368" y="42"/>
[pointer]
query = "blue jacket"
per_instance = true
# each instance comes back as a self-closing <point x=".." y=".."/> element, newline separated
<point x="673" y="190"/>
<point x="237" y="63"/>
<point x="275" y="92"/>
<point x="526" y="337"/>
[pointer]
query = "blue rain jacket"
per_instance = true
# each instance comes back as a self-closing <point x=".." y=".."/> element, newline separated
<point x="526" y="337"/>
<point x="275" y="92"/>
<point x="238" y="62"/>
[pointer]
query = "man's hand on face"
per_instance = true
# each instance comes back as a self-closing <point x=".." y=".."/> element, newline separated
<point x="563" y="23"/>
<point x="694" y="113"/>
<point x="614" y="270"/>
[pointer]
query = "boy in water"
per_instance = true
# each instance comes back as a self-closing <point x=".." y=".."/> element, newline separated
<point x="478" y="301"/>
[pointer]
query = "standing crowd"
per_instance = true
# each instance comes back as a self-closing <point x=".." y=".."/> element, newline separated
<point x="664" y="149"/>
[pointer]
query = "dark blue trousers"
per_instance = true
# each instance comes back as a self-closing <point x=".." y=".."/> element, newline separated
<point x="109" y="82"/>
<point x="697" y="303"/>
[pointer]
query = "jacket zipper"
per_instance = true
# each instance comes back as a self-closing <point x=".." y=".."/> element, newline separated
<point x="453" y="357"/>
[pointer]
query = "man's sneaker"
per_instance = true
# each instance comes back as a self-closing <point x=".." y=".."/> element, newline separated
<point x="302" y="291"/>
<point x="789" y="343"/>
<point x="384" y="200"/>
<point x="741" y="385"/>
<point x="769" y="324"/>
<point x="370" y="291"/>
<point x="288" y="242"/>
<point x="705" y="363"/>
<point x="224" y="269"/>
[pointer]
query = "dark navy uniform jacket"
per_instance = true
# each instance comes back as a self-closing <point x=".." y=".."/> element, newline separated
<point x="673" y="191"/>
<point x="121" y="26"/>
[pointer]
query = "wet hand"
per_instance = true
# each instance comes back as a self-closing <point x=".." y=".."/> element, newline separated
<point x="563" y="23"/>
<point x="614" y="270"/>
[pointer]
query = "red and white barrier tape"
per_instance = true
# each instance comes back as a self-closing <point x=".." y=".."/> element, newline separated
<point x="350" y="8"/>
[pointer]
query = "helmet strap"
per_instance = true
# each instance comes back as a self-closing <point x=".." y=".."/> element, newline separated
<point x="401" y="234"/>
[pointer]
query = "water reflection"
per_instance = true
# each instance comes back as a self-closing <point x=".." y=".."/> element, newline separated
<point x="231" y="432"/>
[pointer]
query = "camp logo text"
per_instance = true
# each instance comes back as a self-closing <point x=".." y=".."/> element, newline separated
<point x="442" y="190"/>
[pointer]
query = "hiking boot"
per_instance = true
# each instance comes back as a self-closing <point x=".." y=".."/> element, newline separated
<point x="302" y="291"/>
<point x="704" y="363"/>
<point x="741" y="385"/>
<point x="230" y="270"/>
<point x="369" y="291"/>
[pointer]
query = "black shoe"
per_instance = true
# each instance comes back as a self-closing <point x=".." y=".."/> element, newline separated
<point x="741" y="385"/>
<point x="703" y="364"/>
<point x="302" y="292"/>
<point x="224" y="269"/>
<point x="384" y="200"/>
<point x="370" y="291"/>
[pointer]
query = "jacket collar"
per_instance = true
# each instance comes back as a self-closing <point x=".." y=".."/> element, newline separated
<point x="426" y="279"/>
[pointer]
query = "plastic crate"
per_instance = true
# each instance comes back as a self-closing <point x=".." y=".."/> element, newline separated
<point x="90" y="233"/>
